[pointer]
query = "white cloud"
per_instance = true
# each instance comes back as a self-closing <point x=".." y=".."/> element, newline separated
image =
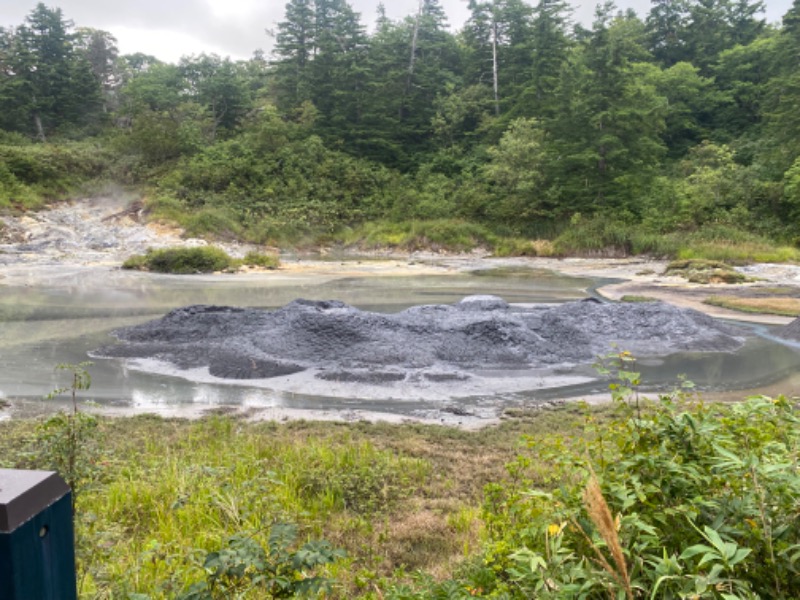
<point x="166" y="45"/>
<point x="169" y="29"/>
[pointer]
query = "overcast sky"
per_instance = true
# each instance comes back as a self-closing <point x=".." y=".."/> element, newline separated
<point x="169" y="29"/>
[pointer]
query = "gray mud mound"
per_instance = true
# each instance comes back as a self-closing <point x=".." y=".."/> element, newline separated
<point x="790" y="331"/>
<point x="436" y="343"/>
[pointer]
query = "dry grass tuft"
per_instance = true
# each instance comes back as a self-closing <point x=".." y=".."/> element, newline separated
<point x="543" y="247"/>
<point x="787" y="307"/>
<point x="600" y="514"/>
<point x="423" y="540"/>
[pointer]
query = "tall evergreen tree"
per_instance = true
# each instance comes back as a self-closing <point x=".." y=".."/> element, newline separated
<point x="295" y="47"/>
<point x="99" y="48"/>
<point x="549" y="52"/>
<point x="717" y="25"/>
<point x="432" y="65"/>
<point x="783" y="96"/>
<point x="44" y="78"/>
<point x="477" y="37"/>
<point x="498" y="40"/>
<point x="666" y="29"/>
<point x="606" y="140"/>
<point x="387" y="65"/>
<point x="338" y="71"/>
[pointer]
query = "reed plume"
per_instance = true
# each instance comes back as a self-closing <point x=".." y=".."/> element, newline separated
<point x="600" y="514"/>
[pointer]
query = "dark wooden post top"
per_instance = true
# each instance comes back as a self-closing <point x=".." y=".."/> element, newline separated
<point x="24" y="494"/>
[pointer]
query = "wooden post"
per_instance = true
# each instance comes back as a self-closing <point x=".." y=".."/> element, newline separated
<point x="37" y="546"/>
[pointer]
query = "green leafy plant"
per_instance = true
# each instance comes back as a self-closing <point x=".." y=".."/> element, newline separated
<point x="689" y="493"/>
<point x="203" y="259"/>
<point x="182" y="261"/>
<point x="259" y="259"/>
<point x="620" y="366"/>
<point x="67" y="441"/>
<point x="668" y="499"/>
<point x="277" y="571"/>
<point x="360" y="478"/>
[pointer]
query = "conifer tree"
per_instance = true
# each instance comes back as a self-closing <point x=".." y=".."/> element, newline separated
<point x="295" y="47"/>
<point x="45" y="82"/>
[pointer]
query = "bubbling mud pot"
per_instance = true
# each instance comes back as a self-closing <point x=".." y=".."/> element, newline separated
<point x="450" y="350"/>
<point x="61" y="292"/>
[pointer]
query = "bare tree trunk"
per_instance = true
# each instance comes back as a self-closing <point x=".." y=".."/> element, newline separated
<point x="413" y="57"/>
<point x="39" y="129"/>
<point x="495" y="78"/>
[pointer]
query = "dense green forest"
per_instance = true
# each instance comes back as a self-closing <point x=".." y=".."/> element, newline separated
<point x="641" y="134"/>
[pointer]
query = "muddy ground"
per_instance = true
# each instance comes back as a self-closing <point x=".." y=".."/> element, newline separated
<point x="450" y="344"/>
<point x="91" y="238"/>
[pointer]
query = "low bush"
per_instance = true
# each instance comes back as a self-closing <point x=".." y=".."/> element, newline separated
<point x="182" y="261"/>
<point x="202" y="259"/>
<point x="258" y="259"/>
<point x="705" y="271"/>
<point x="666" y="500"/>
<point x="245" y="568"/>
<point x="33" y="174"/>
<point x="441" y="234"/>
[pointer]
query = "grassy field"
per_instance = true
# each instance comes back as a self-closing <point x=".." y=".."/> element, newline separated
<point x="159" y="494"/>
<point x="661" y="498"/>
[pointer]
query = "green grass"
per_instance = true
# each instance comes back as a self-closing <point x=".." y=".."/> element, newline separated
<point x="396" y="498"/>
<point x="259" y="259"/>
<point x="440" y="234"/>
<point x="606" y="236"/>
<point x="32" y="175"/>
<point x="609" y="237"/>
<point x="744" y="253"/>
<point x="697" y="270"/>
<point x="455" y="505"/>
<point x="594" y="236"/>
<point x="202" y="259"/>
<point x="450" y="235"/>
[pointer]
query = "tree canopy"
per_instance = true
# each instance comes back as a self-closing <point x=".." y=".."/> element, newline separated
<point x="521" y="118"/>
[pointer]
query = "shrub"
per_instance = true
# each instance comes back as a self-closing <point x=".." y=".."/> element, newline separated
<point x="360" y="479"/>
<point x="203" y="259"/>
<point x="664" y="501"/>
<point x="34" y="173"/>
<point x="257" y="259"/>
<point x="245" y="567"/>
<point x="705" y="271"/>
<point x="440" y="234"/>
